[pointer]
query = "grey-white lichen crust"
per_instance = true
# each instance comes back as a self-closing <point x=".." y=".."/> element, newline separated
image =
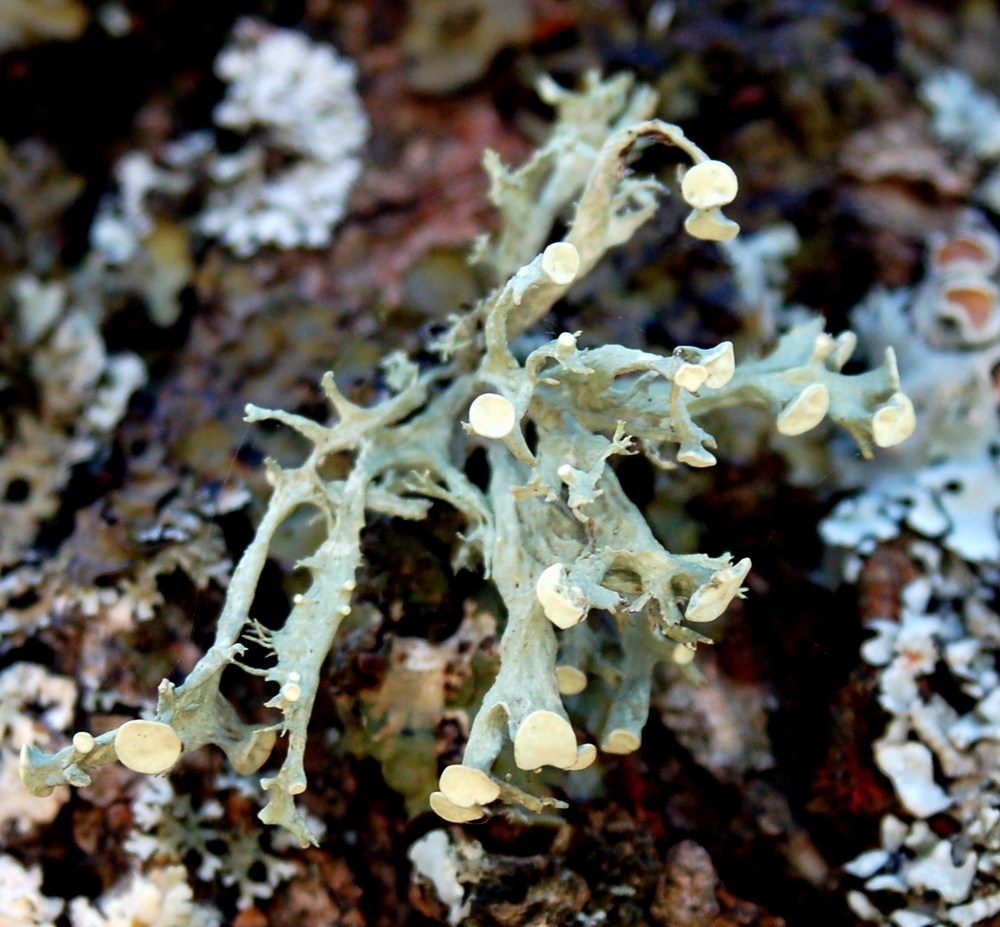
<point x="552" y="528"/>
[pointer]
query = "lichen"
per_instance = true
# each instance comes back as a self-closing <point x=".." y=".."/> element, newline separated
<point x="551" y="525"/>
<point x="159" y="898"/>
<point x="933" y="647"/>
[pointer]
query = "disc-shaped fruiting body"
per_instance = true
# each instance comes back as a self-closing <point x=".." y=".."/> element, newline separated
<point x="150" y="747"/>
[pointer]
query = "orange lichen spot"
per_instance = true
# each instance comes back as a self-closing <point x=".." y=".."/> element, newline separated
<point x="978" y="303"/>
<point x="964" y="250"/>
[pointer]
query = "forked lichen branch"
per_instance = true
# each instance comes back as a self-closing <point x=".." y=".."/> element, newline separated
<point x="553" y="528"/>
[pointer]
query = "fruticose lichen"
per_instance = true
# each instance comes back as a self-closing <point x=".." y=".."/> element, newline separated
<point x="586" y="586"/>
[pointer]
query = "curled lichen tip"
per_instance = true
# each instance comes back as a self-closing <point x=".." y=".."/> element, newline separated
<point x="445" y="808"/>
<point x="804" y="411"/>
<point x="467" y="787"/>
<point x="894" y="421"/>
<point x="586" y="754"/>
<point x="710" y="600"/>
<point x="561" y="262"/>
<point x="709" y="184"/>
<point x="682" y="654"/>
<point x="571" y="680"/>
<point x="720" y="363"/>
<point x="621" y="741"/>
<point x="492" y="415"/>
<point x="545" y="738"/>
<point x="550" y="588"/>
<point x="255" y="751"/>
<point x="710" y="225"/>
<point x="696" y="457"/>
<point x="690" y="376"/>
<point x="149" y="747"/>
<point x="27" y="760"/>
<point x="565" y="343"/>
